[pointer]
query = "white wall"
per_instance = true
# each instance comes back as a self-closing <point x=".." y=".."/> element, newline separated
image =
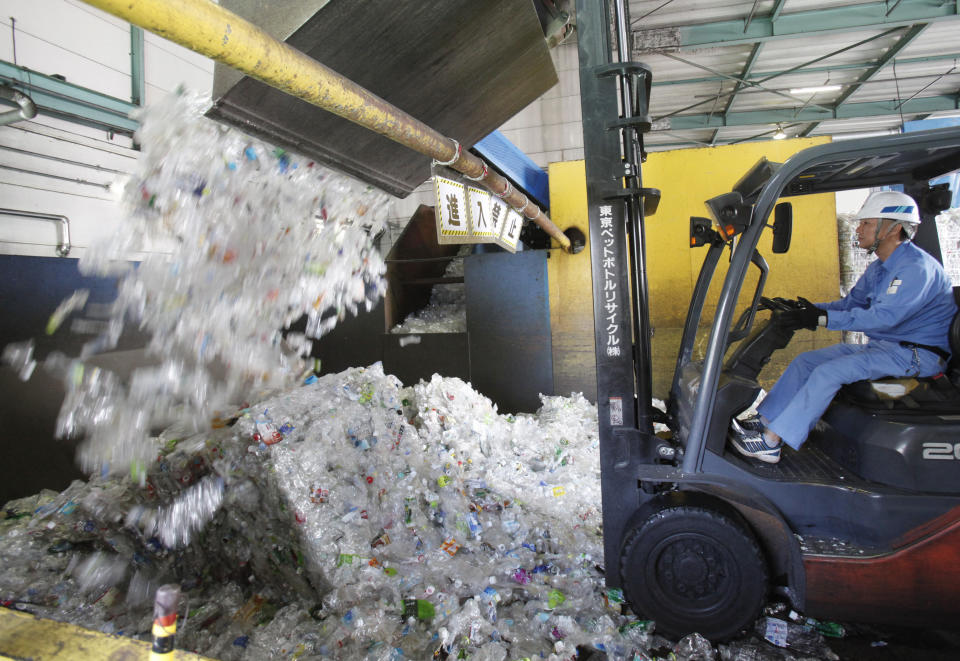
<point x="54" y="167"/>
<point x="850" y="201"/>
<point x="549" y="129"/>
<point x="64" y="168"/>
<point x="68" y="167"/>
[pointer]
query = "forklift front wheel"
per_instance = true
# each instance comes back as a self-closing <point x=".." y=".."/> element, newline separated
<point x="693" y="569"/>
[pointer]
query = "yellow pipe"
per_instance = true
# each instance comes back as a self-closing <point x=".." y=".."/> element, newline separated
<point x="211" y="30"/>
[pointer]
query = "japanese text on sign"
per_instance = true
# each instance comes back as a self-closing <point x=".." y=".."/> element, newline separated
<point x="467" y="214"/>
<point x="453" y="218"/>
<point x="481" y="214"/>
<point x="609" y="263"/>
<point x="510" y="236"/>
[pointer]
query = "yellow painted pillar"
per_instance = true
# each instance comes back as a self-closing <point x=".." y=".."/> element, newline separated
<point x="571" y="302"/>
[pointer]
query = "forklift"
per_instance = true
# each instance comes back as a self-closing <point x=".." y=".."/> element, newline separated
<point x="861" y="525"/>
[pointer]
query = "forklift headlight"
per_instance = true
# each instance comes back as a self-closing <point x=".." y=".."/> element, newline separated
<point x="731" y="214"/>
<point x="700" y="231"/>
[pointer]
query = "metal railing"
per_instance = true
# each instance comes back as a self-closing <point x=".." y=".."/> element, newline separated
<point x="63" y="247"/>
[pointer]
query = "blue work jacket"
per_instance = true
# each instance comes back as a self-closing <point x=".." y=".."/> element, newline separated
<point x="907" y="297"/>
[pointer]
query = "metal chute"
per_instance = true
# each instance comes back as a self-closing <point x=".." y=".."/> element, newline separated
<point x="214" y="31"/>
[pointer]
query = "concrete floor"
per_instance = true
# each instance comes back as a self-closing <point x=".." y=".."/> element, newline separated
<point x="887" y="643"/>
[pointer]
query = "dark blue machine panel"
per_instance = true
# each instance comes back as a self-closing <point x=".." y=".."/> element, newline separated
<point x="508" y="322"/>
<point x="31" y="288"/>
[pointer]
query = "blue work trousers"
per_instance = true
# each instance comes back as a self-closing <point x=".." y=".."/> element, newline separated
<point x="808" y="385"/>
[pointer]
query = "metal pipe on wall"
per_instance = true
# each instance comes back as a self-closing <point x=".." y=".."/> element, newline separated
<point x="211" y="30"/>
<point x="63" y="248"/>
<point x="27" y="109"/>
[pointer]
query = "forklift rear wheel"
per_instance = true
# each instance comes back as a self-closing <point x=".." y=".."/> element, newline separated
<point x="693" y="569"/>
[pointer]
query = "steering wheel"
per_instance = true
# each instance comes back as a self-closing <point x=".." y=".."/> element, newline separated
<point x="778" y="303"/>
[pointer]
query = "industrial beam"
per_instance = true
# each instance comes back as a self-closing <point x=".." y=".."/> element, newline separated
<point x="748" y="67"/>
<point x="777" y="8"/>
<point x="753" y="10"/>
<point x="56" y="97"/>
<point x="902" y="43"/>
<point x="905" y="40"/>
<point x="826" y="69"/>
<point x="744" y="76"/>
<point x="808" y="130"/>
<point x="758" y="84"/>
<point x="803" y="23"/>
<point x="811" y="114"/>
<point x="211" y="30"/>
<point x="696" y="144"/>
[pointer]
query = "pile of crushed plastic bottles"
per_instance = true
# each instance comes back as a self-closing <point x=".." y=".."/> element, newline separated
<point x="353" y="518"/>
<point x="446" y="312"/>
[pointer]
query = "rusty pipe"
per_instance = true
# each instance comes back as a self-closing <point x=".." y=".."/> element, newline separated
<point x="211" y="30"/>
<point x="474" y="168"/>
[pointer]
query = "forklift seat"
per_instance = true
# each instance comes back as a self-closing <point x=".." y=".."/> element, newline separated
<point x="936" y="394"/>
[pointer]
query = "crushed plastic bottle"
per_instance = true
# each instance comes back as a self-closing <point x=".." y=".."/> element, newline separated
<point x="19" y="356"/>
<point x="446" y="312"/>
<point x="750" y="651"/>
<point x="694" y="647"/>
<point x="73" y="302"/>
<point x="321" y="544"/>
<point x="801" y="638"/>
<point x="242" y="239"/>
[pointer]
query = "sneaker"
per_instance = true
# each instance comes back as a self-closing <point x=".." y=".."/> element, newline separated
<point x="750" y="443"/>
<point x="753" y="425"/>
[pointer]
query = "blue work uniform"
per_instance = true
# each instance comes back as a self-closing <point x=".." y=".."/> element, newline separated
<point x="908" y="298"/>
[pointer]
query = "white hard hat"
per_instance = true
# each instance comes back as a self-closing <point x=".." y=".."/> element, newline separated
<point x="898" y="207"/>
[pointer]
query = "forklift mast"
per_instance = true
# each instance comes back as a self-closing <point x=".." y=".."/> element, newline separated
<point x="617" y="205"/>
<point x="616" y="214"/>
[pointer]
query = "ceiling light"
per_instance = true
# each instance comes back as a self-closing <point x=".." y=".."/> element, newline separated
<point x="779" y="134"/>
<point x="814" y="90"/>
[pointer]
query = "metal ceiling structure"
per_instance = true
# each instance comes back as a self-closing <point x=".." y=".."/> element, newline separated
<point x="723" y="70"/>
<point x="727" y="71"/>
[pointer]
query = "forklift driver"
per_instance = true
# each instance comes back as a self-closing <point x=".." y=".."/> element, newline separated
<point x="903" y="302"/>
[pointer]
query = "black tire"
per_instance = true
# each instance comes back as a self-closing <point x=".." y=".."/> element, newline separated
<point x="693" y="569"/>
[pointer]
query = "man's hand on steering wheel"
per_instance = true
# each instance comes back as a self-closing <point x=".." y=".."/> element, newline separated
<point x="803" y="314"/>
